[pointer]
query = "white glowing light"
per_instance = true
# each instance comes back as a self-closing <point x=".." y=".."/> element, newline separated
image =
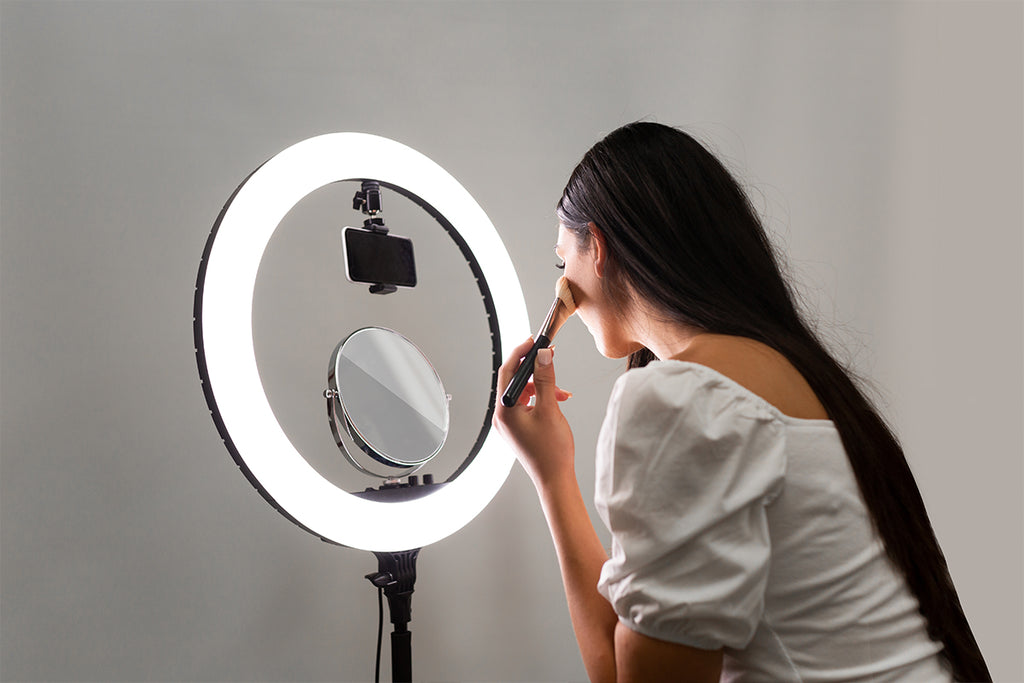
<point x="245" y="229"/>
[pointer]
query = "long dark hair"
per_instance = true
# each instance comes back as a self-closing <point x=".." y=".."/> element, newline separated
<point x="683" y="235"/>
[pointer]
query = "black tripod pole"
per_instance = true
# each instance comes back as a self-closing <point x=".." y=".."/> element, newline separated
<point x="396" y="574"/>
<point x="401" y="654"/>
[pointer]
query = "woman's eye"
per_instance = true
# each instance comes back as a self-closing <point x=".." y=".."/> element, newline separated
<point x="560" y="265"/>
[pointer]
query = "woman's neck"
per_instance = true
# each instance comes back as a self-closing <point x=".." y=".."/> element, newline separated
<point x="668" y="339"/>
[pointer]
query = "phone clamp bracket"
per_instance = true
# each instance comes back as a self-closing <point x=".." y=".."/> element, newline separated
<point x="375" y="225"/>
<point x="368" y="200"/>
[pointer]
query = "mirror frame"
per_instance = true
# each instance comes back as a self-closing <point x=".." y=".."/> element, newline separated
<point x="340" y="415"/>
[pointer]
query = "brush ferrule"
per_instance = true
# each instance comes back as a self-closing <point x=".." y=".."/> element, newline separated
<point x="549" y="321"/>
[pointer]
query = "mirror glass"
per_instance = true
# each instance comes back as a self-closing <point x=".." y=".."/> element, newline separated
<point x="391" y="398"/>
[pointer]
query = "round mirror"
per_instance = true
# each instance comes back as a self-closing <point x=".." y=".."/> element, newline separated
<point x="388" y="398"/>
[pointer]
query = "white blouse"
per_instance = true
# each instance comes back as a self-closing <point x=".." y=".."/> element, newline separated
<point x="735" y="526"/>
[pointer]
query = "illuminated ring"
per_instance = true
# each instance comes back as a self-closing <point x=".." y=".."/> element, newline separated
<point x="227" y="359"/>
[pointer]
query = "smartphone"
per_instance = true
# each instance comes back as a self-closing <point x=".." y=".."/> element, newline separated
<point x="378" y="258"/>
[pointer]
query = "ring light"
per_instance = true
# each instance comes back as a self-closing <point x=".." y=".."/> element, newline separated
<point x="227" y="359"/>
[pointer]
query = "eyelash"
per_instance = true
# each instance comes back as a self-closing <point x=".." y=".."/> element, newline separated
<point x="560" y="266"/>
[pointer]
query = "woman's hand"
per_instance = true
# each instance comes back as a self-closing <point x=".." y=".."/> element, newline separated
<point x="539" y="433"/>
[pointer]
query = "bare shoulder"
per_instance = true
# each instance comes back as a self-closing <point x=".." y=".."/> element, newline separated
<point x="760" y="369"/>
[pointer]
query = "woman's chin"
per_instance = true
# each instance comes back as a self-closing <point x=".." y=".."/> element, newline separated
<point x="611" y="347"/>
<point x="616" y="351"/>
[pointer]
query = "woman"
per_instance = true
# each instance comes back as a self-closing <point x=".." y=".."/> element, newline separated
<point x="765" y="524"/>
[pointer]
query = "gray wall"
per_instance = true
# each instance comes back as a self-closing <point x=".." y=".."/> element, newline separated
<point x="882" y="143"/>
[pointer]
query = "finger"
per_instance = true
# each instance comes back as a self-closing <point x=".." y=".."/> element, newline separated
<point x="560" y="394"/>
<point x="528" y="392"/>
<point x="544" y="378"/>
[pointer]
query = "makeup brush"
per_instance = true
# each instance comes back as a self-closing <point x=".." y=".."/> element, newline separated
<point x="561" y="310"/>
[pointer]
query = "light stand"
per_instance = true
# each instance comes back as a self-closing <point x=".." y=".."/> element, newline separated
<point x="396" y="574"/>
<point x="374" y="520"/>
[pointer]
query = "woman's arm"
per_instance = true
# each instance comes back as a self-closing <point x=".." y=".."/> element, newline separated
<point x="580" y="557"/>
<point x="543" y="441"/>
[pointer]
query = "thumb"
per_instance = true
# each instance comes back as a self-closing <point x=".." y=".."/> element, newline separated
<point x="544" y="376"/>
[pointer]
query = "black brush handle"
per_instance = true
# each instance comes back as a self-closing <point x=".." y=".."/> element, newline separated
<point x="522" y="376"/>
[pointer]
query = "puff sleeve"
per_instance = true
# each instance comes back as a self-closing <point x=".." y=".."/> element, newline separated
<point x="687" y="462"/>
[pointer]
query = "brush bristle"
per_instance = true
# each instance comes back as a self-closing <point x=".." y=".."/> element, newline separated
<point x="564" y="294"/>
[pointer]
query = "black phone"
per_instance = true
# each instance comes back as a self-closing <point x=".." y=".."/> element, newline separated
<point x="378" y="258"/>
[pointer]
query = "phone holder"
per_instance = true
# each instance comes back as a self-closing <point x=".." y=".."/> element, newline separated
<point x="368" y="200"/>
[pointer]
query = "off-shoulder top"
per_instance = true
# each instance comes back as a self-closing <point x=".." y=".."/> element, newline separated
<point x="735" y="526"/>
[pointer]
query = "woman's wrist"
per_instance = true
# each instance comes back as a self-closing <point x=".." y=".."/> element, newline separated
<point x="554" y="479"/>
<point x="558" y="489"/>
